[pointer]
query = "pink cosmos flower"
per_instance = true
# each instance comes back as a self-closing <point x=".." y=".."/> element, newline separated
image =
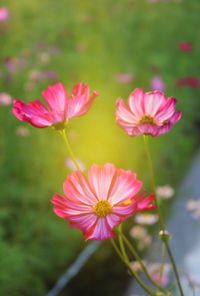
<point x="4" y="14"/>
<point x="147" y="113"/>
<point x="98" y="204"/>
<point x="60" y="106"/>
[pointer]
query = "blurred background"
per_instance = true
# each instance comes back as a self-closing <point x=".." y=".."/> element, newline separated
<point x="114" y="46"/>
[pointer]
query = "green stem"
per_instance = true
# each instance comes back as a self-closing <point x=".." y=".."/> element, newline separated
<point x="133" y="273"/>
<point x="64" y="136"/>
<point x="161" y="223"/>
<point x="163" y="261"/>
<point x="121" y="242"/>
<point x="137" y="257"/>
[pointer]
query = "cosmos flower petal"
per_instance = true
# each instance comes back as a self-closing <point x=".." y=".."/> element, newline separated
<point x="167" y="111"/>
<point x="124" y="186"/>
<point x="153" y="101"/>
<point x="101" y="231"/>
<point x="144" y="204"/>
<point x="136" y="102"/>
<point x="81" y="100"/>
<point x="65" y="208"/>
<point x="34" y="113"/>
<point x="77" y="188"/>
<point x="114" y="220"/>
<point x="56" y="97"/>
<point x="124" y="114"/>
<point x="100" y="179"/>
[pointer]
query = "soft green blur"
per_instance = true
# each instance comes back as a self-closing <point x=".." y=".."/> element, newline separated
<point x="95" y="41"/>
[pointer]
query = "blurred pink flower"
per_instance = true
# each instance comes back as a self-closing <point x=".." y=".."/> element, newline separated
<point x="147" y="113"/>
<point x="14" y="64"/>
<point x="60" y="106"/>
<point x="189" y="81"/>
<point x="144" y="243"/>
<point x="22" y="131"/>
<point x="185" y="46"/>
<point x="157" y="83"/>
<point x="5" y="99"/>
<point x="124" y="77"/>
<point x="194" y="207"/>
<point x="70" y="164"/>
<point x="165" y="192"/>
<point x="146" y="219"/>
<point x="98" y="204"/>
<point x="138" y="232"/>
<point x="4" y="14"/>
<point x="136" y="266"/>
<point x="39" y="76"/>
<point x="154" y="270"/>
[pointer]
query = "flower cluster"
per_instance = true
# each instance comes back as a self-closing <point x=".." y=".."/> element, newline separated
<point x="108" y="196"/>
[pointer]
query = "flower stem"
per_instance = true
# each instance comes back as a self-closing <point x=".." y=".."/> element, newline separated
<point x="161" y="223"/>
<point x="133" y="273"/>
<point x="137" y="257"/>
<point x="163" y="261"/>
<point x="121" y="243"/>
<point x="64" y="136"/>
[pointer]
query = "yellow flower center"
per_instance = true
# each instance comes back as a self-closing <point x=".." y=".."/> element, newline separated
<point x="102" y="208"/>
<point x="147" y="119"/>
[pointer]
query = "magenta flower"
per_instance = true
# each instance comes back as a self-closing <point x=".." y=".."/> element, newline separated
<point x="4" y="14"/>
<point x="147" y="113"/>
<point x="189" y="81"/>
<point x="60" y="106"/>
<point x="185" y="46"/>
<point x="102" y="202"/>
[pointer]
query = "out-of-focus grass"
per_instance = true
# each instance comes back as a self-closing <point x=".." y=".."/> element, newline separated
<point x="95" y="40"/>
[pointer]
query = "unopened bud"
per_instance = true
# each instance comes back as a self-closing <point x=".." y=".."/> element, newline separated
<point x="164" y="235"/>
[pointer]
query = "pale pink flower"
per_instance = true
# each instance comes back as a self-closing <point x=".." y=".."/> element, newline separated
<point x="194" y="207"/>
<point x="5" y="99"/>
<point x="193" y="204"/>
<point x="138" y="232"/>
<point x="60" y="106"/>
<point x="147" y="113"/>
<point x="146" y="219"/>
<point x="144" y="243"/>
<point x="154" y="271"/>
<point x="165" y="192"/>
<point x="124" y="77"/>
<point x="142" y="236"/>
<point x="70" y="164"/>
<point x="157" y="83"/>
<point x="4" y="14"/>
<point x="98" y="204"/>
<point x="22" y="131"/>
<point x="136" y="266"/>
